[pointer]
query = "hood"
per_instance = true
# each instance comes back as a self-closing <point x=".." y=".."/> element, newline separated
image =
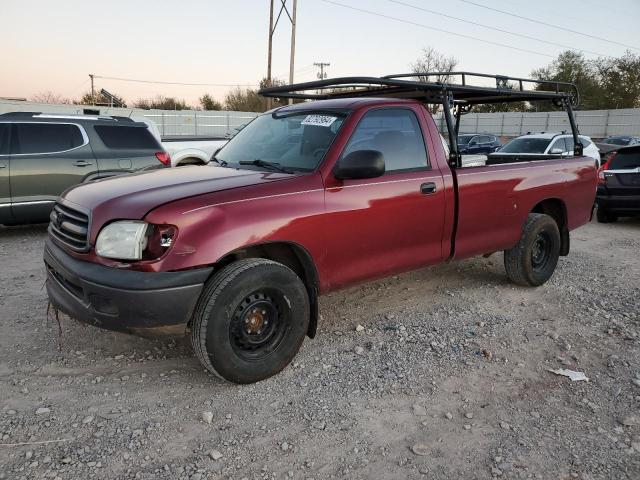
<point x="133" y="195"/>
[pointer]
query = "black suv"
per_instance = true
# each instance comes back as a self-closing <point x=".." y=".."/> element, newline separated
<point x="477" y="143"/>
<point x="619" y="185"/>
<point x="41" y="155"/>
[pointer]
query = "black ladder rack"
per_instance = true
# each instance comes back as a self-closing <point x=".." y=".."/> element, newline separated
<point x="458" y="96"/>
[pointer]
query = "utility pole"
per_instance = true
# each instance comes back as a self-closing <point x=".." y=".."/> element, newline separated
<point x="322" y="74"/>
<point x="272" y="29"/>
<point x="269" y="99"/>
<point x="293" y="45"/>
<point x="93" y="96"/>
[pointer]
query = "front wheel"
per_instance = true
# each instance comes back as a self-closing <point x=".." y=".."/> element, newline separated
<point x="250" y="320"/>
<point x="533" y="260"/>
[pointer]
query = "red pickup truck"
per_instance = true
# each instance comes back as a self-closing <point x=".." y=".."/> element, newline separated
<point x="306" y="199"/>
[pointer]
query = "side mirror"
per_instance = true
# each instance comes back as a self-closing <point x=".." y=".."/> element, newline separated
<point x="360" y="164"/>
<point x="556" y="151"/>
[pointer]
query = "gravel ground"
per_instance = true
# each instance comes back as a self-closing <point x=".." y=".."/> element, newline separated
<point x="440" y="373"/>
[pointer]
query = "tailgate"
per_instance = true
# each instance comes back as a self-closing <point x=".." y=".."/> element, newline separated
<point x="622" y="177"/>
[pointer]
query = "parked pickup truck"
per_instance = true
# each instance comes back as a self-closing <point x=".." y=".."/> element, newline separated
<point x="313" y="197"/>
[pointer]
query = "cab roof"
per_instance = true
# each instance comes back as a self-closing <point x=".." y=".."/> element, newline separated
<point x="342" y="104"/>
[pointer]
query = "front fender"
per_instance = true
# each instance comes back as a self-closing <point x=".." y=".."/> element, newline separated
<point x="180" y="155"/>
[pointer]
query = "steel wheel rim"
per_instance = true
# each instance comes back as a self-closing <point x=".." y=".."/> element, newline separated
<point x="258" y="325"/>
<point x="541" y="251"/>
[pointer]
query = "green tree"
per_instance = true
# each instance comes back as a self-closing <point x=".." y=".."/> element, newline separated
<point x="620" y="80"/>
<point x="99" y="99"/>
<point x="572" y="67"/>
<point x="207" y="102"/>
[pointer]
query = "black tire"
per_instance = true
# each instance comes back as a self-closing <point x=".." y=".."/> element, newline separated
<point x="533" y="260"/>
<point x="190" y="161"/>
<point x="250" y="320"/>
<point x="603" y="216"/>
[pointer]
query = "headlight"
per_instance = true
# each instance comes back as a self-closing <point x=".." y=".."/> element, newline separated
<point x="123" y="240"/>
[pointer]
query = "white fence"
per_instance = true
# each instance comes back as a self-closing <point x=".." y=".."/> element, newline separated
<point x="203" y="123"/>
<point x="594" y="123"/>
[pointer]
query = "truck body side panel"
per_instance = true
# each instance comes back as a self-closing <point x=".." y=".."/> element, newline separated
<point x="494" y="201"/>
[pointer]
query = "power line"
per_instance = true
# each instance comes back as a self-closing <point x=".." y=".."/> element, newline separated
<point x="421" y="25"/>
<point x="296" y="72"/>
<point x="135" y="80"/>
<point x="540" y="22"/>
<point x="495" y="28"/>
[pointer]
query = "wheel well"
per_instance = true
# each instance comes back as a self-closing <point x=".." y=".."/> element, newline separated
<point x="293" y="256"/>
<point x="557" y="210"/>
<point x="191" y="161"/>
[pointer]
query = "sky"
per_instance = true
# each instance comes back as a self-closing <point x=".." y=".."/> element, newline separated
<point x="53" y="45"/>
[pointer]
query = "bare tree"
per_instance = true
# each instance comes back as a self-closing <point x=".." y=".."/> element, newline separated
<point x="434" y="61"/>
<point x="50" y="97"/>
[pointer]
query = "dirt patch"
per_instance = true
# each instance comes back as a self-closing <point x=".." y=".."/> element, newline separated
<point x="448" y="379"/>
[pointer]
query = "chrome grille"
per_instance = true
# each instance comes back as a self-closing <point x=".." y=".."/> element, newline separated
<point x="70" y="227"/>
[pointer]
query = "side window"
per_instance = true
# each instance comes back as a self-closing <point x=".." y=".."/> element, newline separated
<point x="5" y="128"/>
<point x="585" y="143"/>
<point x="396" y="133"/>
<point x="484" y="139"/>
<point x="559" y="144"/>
<point x="126" y="137"/>
<point x="45" y="138"/>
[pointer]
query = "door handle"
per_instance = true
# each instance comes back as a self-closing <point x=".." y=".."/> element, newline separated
<point x="82" y="163"/>
<point x="427" y="188"/>
<point x="2" y="165"/>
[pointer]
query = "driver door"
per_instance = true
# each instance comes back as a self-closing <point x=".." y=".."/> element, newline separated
<point x="379" y="226"/>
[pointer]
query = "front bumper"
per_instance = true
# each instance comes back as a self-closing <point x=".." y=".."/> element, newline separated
<point x="142" y="303"/>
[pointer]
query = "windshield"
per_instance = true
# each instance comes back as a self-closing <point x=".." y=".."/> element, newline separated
<point x="294" y="141"/>
<point x="464" y="139"/>
<point x="617" y="141"/>
<point x="526" y="145"/>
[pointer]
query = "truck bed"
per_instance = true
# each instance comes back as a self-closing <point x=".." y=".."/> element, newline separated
<point x="493" y="201"/>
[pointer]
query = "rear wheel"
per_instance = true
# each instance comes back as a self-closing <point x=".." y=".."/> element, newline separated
<point x="190" y="161"/>
<point x="604" y="216"/>
<point x="250" y="321"/>
<point x="533" y="260"/>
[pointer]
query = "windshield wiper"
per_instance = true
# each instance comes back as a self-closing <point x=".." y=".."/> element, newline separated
<point x="222" y="163"/>
<point x="265" y="164"/>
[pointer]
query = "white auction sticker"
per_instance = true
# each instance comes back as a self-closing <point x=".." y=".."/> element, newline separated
<point x="319" y="120"/>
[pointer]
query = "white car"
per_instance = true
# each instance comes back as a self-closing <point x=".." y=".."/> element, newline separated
<point x="548" y="144"/>
<point x="191" y="150"/>
<point x="185" y="150"/>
